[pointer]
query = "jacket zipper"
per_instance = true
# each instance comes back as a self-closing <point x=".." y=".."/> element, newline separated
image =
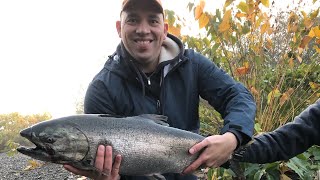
<point x="149" y="80"/>
<point x="159" y="106"/>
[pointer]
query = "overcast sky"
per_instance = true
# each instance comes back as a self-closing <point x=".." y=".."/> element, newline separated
<point x="51" y="49"/>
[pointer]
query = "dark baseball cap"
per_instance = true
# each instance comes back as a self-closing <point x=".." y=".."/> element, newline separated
<point x="156" y="4"/>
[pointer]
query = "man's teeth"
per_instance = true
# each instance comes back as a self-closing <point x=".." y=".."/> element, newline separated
<point x="143" y="42"/>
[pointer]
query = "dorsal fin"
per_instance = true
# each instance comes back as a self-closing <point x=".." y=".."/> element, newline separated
<point x="110" y="115"/>
<point x="159" y="119"/>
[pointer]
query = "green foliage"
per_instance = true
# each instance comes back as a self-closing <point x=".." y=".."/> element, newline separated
<point x="275" y="55"/>
<point x="303" y="166"/>
<point x="211" y="120"/>
<point x="10" y="126"/>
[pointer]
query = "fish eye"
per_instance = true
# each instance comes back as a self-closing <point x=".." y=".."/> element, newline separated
<point x="50" y="140"/>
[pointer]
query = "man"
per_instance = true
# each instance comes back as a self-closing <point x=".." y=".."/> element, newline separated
<point x="152" y="73"/>
<point x="287" y="141"/>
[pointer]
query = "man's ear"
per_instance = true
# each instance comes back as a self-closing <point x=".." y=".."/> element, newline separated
<point x="118" y="26"/>
<point x="166" y="27"/>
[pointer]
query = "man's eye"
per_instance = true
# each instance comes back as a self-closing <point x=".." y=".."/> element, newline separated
<point x="132" y="20"/>
<point x="154" y="22"/>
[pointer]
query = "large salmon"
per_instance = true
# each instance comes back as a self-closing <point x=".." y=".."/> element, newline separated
<point x="146" y="145"/>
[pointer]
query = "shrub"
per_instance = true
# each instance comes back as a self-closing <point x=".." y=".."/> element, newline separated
<point x="275" y="55"/>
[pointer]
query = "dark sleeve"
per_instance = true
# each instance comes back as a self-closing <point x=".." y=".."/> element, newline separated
<point x="98" y="99"/>
<point x="230" y="98"/>
<point x="287" y="141"/>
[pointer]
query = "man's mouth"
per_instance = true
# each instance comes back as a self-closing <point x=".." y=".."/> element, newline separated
<point x="143" y="42"/>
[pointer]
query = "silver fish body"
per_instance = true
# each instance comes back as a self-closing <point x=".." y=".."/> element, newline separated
<point x="146" y="147"/>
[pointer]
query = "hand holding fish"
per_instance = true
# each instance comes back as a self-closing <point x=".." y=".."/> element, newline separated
<point x="218" y="149"/>
<point x="103" y="163"/>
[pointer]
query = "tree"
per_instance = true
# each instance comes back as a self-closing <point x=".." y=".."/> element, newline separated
<point x="11" y="125"/>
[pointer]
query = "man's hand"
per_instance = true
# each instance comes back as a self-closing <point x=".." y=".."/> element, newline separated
<point x="219" y="149"/>
<point x="103" y="163"/>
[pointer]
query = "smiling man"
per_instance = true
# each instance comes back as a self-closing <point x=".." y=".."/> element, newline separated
<point x="152" y="73"/>
<point x="143" y="32"/>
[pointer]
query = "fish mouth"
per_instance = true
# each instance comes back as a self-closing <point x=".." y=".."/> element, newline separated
<point x="40" y="151"/>
<point x="37" y="152"/>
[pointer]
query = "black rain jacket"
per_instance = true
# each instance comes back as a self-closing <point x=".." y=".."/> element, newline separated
<point x="287" y="141"/>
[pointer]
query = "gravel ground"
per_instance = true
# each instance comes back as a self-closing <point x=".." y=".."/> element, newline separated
<point x="13" y="168"/>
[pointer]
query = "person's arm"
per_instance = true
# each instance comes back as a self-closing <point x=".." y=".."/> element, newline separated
<point x="236" y="106"/>
<point x="287" y="141"/>
<point x="230" y="98"/>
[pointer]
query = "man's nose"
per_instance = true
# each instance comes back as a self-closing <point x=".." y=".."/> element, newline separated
<point x="143" y="28"/>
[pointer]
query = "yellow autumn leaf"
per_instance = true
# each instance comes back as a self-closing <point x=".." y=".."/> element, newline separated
<point x="199" y="10"/>
<point x="243" y="7"/>
<point x="314" y="85"/>
<point x="304" y="14"/>
<point x="265" y="27"/>
<point x="240" y="15"/>
<point x="294" y="39"/>
<point x="273" y="94"/>
<point x="224" y="27"/>
<point x="305" y="41"/>
<point x="314" y="32"/>
<point x="246" y="64"/>
<point x="291" y="63"/>
<point x="311" y="33"/>
<point x="254" y="91"/>
<point x="227" y="3"/>
<point x="314" y="1"/>
<point x="316" y="48"/>
<point x="299" y="59"/>
<point x="300" y="50"/>
<point x="225" y="24"/>
<point x="32" y="164"/>
<point x="314" y="14"/>
<point x="292" y="22"/>
<point x="260" y="19"/>
<point x="283" y="99"/>
<point x="292" y="28"/>
<point x="269" y="43"/>
<point x="203" y="20"/>
<point x="308" y="23"/>
<point x="285" y="96"/>
<point x="265" y="3"/>
<point x="242" y="71"/>
<point x="293" y="18"/>
<point x="174" y="30"/>
<point x="270" y="30"/>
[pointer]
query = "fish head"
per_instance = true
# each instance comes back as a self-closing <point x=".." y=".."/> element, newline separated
<point x="55" y="141"/>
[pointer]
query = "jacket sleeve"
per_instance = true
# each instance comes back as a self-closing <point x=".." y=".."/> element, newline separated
<point x="97" y="99"/>
<point x="230" y="98"/>
<point x="287" y="141"/>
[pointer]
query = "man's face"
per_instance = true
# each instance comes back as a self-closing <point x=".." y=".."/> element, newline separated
<point x="142" y="32"/>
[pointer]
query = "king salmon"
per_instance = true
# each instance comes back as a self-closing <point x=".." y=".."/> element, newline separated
<point x="146" y="145"/>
